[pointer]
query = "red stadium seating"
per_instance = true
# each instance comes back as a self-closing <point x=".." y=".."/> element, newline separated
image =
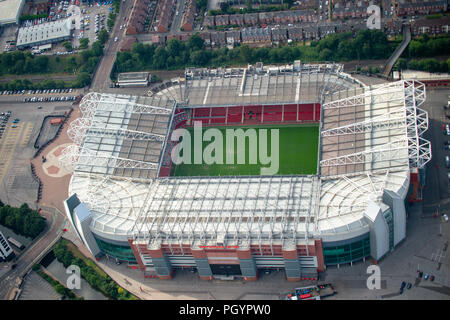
<point x="218" y="112"/>
<point x="269" y="114"/>
<point x="200" y="112"/>
<point x="218" y="120"/>
<point x="272" y="113"/>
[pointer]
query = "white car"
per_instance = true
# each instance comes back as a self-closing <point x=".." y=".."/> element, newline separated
<point x="115" y="39"/>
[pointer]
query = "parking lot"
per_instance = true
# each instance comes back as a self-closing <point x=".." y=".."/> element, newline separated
<point x="437" y="170"/>
<point x="94" y="17"/>
<point x="16" y="147"/>
<point x="8" y="35"/>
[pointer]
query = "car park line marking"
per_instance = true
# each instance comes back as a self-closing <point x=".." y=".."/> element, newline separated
<point x="27" y="133"/>
<point x="8" y="148"/>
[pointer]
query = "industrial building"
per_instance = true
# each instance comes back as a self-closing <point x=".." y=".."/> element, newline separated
<point x="133" y="79"/>
<point x="45" y="33"/>
<point x="10" y="11"/>
<point x="6" y="253"/>
<point x="124" y="203"/>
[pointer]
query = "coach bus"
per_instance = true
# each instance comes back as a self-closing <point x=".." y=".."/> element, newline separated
<point x="16" y="243"/>
<point x="316" y="292"/>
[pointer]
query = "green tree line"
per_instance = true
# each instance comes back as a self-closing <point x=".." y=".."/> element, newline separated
<point x="82" y="64"/>
<point x="99" y="282"/>
<point x="23" y="221"/>
<point x="428" y="65"/>
<point x="427" y="46"/>
<point x="367" y="44"/>
<point x="32" y="16"/>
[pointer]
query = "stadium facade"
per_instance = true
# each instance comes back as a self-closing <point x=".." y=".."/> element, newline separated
<point x="124" y="203"/>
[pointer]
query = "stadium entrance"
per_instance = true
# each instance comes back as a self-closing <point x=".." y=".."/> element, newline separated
<point x="226" y="269"/>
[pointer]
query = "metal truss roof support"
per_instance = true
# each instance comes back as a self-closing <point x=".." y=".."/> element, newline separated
<point x="73" y="156"/>
<point x="386" y="152"/>
<point x="417" y="123"/>
<point x="122" y="133"/>
<point x="130" y="106"/>
<point x="391" y="120"/>
<point x="89" y="104"/>
<point x="389" y="92"/>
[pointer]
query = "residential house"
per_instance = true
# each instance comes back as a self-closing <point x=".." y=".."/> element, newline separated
<point x="251" y="19"/>
<point x="237" y="19"/>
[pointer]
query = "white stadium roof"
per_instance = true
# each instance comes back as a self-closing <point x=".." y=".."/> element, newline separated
<point x="370" y="137"/>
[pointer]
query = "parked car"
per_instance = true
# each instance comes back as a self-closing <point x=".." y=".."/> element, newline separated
<point x="409" y="285"/>
<point x="446" y="129"/>
<point x="427" y="276"/>
<point x="447" y="161"/>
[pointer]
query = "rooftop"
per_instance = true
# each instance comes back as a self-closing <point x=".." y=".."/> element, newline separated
<point x="10" y="11"/>
<point x="370" y="138"/>
<point x="44" y="32"/>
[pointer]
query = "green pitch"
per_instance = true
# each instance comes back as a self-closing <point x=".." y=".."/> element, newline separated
<point x="298" y="146"/>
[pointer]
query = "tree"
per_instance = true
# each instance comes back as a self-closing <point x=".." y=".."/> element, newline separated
<point x="84" y="42"/>
<point x="224" y="6"/>
<point x="402" y="64"/>
<point x="103" y="36"/>
<point x="41" y="64"/>
<point x="195" y="43"/>
<point x="83" y="79"/>
<point x="199" y="58"/>
<point x="245" y="53"/>
<point x="60" y="289"/>
<point x="67" y="45"/>
<point x="175" y="47"/>
<point x="160" y="58"/>
<point x="325" y="54"/>
<point x="97" y="49"/>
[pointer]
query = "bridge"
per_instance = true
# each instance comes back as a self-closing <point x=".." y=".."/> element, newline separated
<point x="398" y="51"/>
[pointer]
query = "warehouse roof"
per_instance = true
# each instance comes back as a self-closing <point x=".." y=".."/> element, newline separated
<point x="45" y="32"/>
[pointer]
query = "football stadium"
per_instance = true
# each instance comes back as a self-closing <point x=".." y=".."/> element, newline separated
<point x="351" y="158"/>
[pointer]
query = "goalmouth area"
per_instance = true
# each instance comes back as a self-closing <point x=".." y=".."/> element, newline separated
<point x="297" y="152"/>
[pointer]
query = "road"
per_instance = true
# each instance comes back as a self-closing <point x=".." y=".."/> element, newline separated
<point x="55" y="224"/>
<point x="101" y="79"/>
<point x="176" y="23"/>
<point x="55" y="219"/>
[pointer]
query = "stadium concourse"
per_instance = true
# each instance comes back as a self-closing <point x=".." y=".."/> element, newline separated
<point x="125" y="202"/>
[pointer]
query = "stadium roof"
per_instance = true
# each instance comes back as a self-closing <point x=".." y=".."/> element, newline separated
<point x="370" y="137"/>
<point x="119" y="135"/>
<point x="297" y="83"/>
